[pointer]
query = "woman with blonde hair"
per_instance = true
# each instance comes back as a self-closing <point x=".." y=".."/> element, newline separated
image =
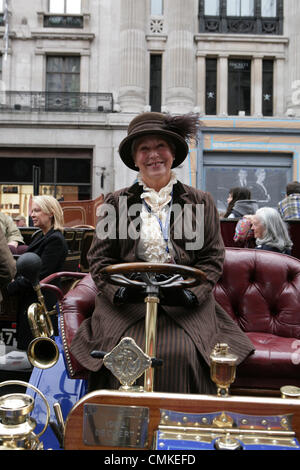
<point x="51" y="207"/>
<point x="50" y="245"/>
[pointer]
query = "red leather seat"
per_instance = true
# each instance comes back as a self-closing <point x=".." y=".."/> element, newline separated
<point x="76" y="305"/>
<point x="260" y="290"/>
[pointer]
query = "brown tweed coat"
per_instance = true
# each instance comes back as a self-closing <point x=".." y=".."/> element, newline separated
<point x="205" y="324"/>
<point x="7" y="263"/>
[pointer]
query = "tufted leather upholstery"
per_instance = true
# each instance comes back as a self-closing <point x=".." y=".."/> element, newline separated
<point x="260" y="290"/>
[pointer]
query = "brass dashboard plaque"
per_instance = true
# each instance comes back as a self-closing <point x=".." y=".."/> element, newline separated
<point x="115" y="426"/>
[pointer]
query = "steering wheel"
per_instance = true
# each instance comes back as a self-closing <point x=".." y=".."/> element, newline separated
<point x="176" y="275"/>
<point x="147" y="276"/>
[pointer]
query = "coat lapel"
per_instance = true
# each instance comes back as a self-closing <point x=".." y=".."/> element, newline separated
<point x="38" y="239"/>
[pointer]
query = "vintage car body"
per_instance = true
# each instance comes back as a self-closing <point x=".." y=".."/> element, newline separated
<point x="252" y="394"/>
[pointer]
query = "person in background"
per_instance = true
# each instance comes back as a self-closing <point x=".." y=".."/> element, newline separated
<point x="50" y="245"/>
<point x="20" y="221"/>
<point x="7" y="263"/>
<point x="270" y="231"/>
<point x="12" y="233"/>
<point x="289" y="207"/>
<point x="239" y="203"/>
<point x="259" y="189"/>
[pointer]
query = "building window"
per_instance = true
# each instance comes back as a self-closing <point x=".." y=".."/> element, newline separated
<point x="265" y="175"/>
<point x="64" y="14"/>
<point x="72" y="7"/>
<point x="241" y="16"/>
<point x="63" y="173"/>
<point x="211" y="87"/>
<point x="63" y="82"/>
<point x="2" y="23"/>
<point x="268" y="8"/>
<point x="155" y="81"/>
<point x="212" y="7"/>
<point x="239" y="87"/>
<point x="240" y="7"/>
<point x="157" y="7"/>
<point x="267" y="95"/>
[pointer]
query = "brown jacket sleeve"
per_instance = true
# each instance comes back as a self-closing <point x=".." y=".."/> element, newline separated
<point x="105" y="250"/>
<point x="7" y="263"/>
<point x="208" y="254"/>
<point x="210" y="257"/>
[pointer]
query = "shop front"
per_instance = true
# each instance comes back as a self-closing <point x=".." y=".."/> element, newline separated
<point x="62" y="173"/>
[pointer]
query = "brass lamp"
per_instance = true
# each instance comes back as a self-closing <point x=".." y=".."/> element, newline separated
<point x="222" y="368"/>
<point x="16" y="425"/>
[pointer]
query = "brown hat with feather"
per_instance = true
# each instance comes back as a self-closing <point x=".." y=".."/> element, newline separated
<point x="177" y="129"/>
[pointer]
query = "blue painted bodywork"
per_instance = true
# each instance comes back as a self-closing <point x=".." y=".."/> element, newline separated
<point x="55" y="384"/>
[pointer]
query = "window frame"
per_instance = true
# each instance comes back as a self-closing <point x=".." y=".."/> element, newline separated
<point x="242" y="77"/>
<point x="154" y="10"/>
<point x="256" y="24"/>
<point x="65" y="9"/>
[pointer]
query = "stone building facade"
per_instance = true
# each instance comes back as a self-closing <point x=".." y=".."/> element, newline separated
<point x="75" y="72"/>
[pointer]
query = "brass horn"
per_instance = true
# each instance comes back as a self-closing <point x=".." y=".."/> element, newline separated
<point x="42" y="352"/>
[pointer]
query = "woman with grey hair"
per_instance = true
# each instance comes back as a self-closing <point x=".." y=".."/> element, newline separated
<point x="270" y="231"/>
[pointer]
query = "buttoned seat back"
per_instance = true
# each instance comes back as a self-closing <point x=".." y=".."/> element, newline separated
<point x="260" y="290"/>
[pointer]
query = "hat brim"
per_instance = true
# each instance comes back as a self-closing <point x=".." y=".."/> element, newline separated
<point x="181" y="146"/>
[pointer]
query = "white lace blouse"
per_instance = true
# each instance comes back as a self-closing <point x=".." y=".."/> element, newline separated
<point x="152" y="245"/>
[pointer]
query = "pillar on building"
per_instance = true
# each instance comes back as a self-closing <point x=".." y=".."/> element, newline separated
<point x="201" y="82"/>
<point x="132" y="94"/>
<point x="279" y="85"/>
<point x="256" y="85"/>
<point x="222" y="86"/>
<point x="180" y="57"/>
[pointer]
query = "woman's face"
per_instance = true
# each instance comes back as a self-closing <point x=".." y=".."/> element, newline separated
<point x="154" y="159"/>
<point x="258" y="227"/>
<point x="40" y="219"/>
<point x="229" y="199"/>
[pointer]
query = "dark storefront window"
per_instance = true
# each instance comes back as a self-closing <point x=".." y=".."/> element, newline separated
<point x="211" y="87"/>
<point x="155" y="81"/>
<point x="239" y="86"/>
<point x="69" y="170"/>
<point x="58" y="176"/>
<point x="267" y="99"/>
<point x="19" y="170"/>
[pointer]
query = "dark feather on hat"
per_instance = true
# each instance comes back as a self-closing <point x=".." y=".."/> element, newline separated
<point x="186" y="125"/>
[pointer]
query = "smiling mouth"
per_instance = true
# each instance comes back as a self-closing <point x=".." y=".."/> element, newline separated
<point x="155" y="163"/>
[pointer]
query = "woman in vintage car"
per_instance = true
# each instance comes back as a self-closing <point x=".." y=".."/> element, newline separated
<point x="150" y="221"/>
